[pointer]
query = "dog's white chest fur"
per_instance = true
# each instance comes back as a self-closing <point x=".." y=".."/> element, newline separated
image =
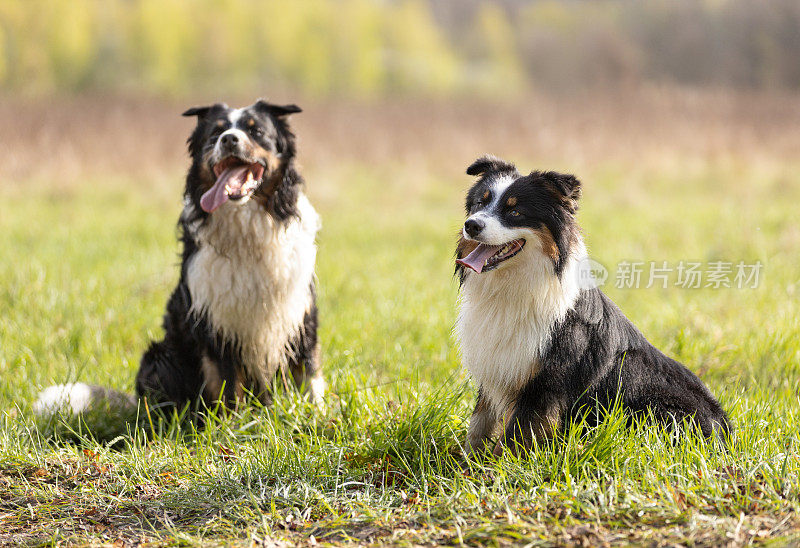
<point x="252" y="276"/>
<point x="505" y="320"/>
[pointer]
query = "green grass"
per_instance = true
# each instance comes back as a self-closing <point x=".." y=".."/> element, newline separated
<point x="86" y="273"/>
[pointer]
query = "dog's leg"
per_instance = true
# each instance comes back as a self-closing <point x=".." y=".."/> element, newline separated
<point x="523" y="427"/>
<point x="482" y="426"/>
<point x="166" y="378"/>
<point x="231" y="375"/>
<point x="315" y="382"/>
<point x="308" y="375"/>
<point x="170" y="371"/>
<point x="537" y="414"/>
<point x="304" y="365"/>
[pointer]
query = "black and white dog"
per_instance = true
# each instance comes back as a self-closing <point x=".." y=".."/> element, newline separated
<point x="244" y="309"/>
<point x="542" y="348"/>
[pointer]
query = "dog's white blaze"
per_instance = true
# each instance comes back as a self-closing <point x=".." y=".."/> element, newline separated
<point x="506" y="317"/>
<point x="75" y="396"/>
<point x="494" y="233"/>
<point x="499" y="185"/>
<point x="252" y="276"/>
<point x="235" y="114"/>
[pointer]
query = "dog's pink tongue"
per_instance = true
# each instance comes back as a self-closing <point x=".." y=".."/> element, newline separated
<point x="217" y="195"/>
<point x="477" y="258"/>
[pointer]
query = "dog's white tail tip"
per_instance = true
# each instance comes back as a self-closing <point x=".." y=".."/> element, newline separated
<point x="76" y="397"/>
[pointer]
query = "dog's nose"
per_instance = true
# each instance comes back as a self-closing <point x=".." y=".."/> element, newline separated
<point x="230" y="140"/>
<point x="474" y="227"/>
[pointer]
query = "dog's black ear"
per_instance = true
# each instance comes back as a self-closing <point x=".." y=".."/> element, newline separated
<point x="488" y="163"/>
<point x="285" y="110"/>
<point x="566" y="187"/>
<point x="277" y="110"/>
<point x="202" y="112"/>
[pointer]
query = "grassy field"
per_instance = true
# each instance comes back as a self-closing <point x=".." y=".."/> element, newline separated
<point x="88" y="258"/>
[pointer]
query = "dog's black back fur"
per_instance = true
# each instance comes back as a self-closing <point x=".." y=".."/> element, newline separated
<point x="597" y="357"/>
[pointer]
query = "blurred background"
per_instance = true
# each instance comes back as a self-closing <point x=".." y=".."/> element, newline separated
<point x="373" y="48"/>
<point x="559" y="81"/>
<point x="680" y="117"/>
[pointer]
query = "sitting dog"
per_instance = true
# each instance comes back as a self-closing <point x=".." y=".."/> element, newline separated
<point x="543" y="350"/>
<point x="244" y="309"/>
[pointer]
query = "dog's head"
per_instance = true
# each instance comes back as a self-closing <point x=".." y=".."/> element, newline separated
<point x="238" y="153"/>
<point x="509" y="215"/>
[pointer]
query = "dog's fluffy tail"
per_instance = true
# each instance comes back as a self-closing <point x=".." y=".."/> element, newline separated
<point x="78" y="397"/>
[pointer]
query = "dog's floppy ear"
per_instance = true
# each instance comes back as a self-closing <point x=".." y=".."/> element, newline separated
<point x="277" y="110"/>
<point x="201" y="112"/>
<point x="488" y="163"/>
<point x="566" y="187"/>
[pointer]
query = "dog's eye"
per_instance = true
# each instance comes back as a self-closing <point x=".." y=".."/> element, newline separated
<point x="482" y="200"/>
<point x="514" y="213"/>
<point x="256" y="131"/>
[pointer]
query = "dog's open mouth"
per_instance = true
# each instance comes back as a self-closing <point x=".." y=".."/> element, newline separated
<point x="236" y="179"/>
<point x="487" y="257"/>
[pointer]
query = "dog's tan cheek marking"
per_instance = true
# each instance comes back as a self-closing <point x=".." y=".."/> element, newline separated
<point x="271" y="174"/>
<point x="272" y="161"/>
<point x="549" y="246"/>
<point x="206" y="174"/>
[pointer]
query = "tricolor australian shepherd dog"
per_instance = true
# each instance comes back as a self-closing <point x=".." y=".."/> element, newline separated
<point x="244" y="310"/>
<point x="542" y="349"/>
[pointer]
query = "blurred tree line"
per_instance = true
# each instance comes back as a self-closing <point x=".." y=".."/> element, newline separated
<point x="379" y="47"/>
